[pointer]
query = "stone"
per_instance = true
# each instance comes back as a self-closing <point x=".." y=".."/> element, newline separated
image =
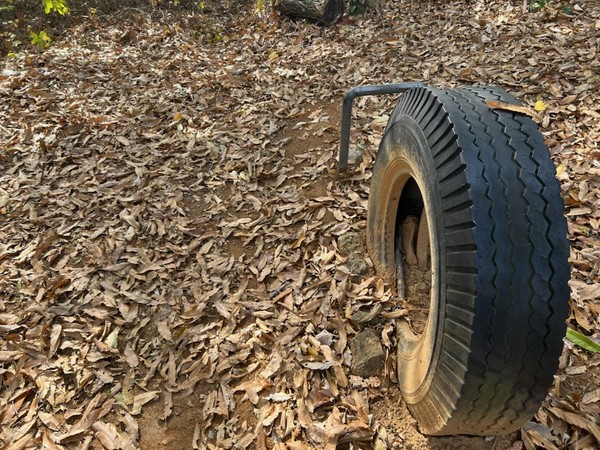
<point x="368" y="357"/>
<point x="355" y="154"/>
<point x="357" y="266"/>
<point x="350" y="242"/>
<point x="362" y="317"/>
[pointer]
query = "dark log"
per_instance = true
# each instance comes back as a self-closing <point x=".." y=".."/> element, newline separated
<point x="321" y="11"/>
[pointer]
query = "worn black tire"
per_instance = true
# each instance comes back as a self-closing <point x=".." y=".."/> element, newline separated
<point x="499" y="252"/>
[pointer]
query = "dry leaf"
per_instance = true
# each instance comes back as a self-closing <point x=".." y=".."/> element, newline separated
<point x="579" y="420"/>
<point x="252" y="388"/>
<point x="541" y="435"/>
<point x="111" y="438"/>
<point x="495" y="104"/>
<point x="177" y="232"/>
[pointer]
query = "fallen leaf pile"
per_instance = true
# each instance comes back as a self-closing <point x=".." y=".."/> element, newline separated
<point x="171" y="217"/>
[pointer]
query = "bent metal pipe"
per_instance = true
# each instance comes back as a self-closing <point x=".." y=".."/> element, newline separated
<point x="361" y="91"/>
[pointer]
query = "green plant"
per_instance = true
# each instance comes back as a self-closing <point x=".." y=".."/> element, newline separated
<point x="8" y="7"/>
<point x="583" y="341"/>
<point x="59" y="6"/>
<point x="536" y="5"/>
<point x="567" y="10"/>
<point x="41" y="39"/>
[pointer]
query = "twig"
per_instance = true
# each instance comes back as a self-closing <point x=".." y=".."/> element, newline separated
<point x="400" y="286"/>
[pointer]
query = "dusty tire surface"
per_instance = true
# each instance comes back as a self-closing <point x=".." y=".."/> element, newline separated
<point x="499" y="258"/>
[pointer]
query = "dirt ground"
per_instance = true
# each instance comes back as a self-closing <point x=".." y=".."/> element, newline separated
<point x="171" y="211"/>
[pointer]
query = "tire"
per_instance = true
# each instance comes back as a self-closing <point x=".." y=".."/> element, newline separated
<point x="486" y="357"/>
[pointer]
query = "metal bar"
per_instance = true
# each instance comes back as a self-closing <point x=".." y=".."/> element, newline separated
<point x="361" y="91"/>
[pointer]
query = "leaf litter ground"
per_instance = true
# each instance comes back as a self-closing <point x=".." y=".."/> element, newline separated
<point x="170" y="273"/>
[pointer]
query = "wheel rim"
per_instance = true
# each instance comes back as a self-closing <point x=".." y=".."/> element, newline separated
<point x="413" y="268"/>
<point x="415" y="350"/>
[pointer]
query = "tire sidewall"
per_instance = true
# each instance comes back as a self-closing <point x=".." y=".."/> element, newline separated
<point x="404" y="153"/>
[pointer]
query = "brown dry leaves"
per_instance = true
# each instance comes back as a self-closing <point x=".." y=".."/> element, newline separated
<point x="170" y="213"/>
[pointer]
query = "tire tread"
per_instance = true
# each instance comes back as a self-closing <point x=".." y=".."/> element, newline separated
<point x="506" y="280"/>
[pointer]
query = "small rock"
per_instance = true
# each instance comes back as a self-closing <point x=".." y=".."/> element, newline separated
<point x="368" y="357"/>
<point x="357" y="266"/>
<point x="362" y="316"/>
<point x="350" y="242"/>
<point x="355" y="154"/>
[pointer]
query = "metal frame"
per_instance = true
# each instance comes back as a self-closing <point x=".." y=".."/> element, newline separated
<point x="361" y="91"/>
